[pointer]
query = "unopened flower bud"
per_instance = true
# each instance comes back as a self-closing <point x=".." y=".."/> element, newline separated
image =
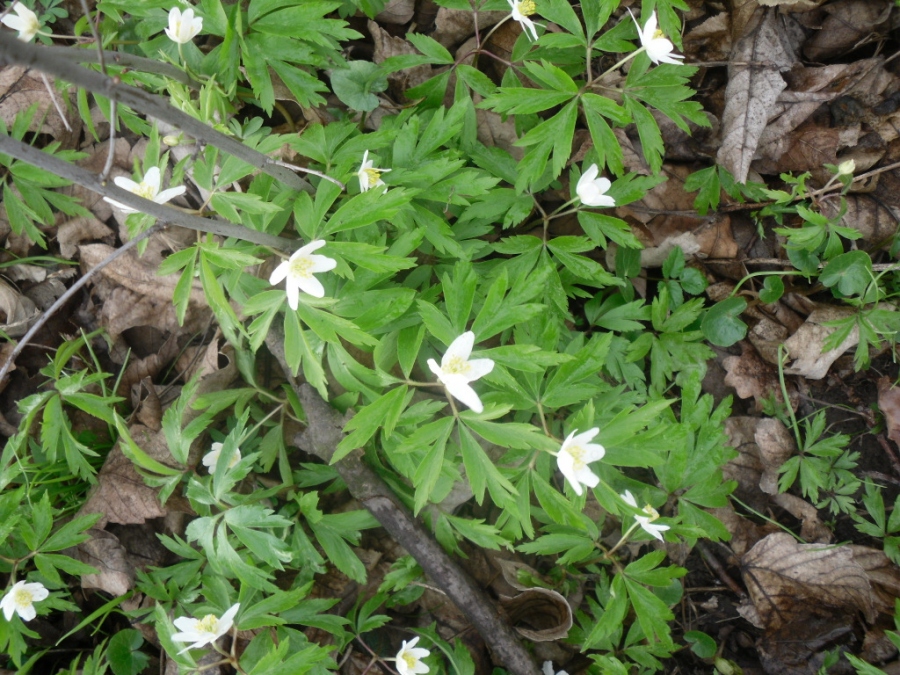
<point x="846" y="168"/>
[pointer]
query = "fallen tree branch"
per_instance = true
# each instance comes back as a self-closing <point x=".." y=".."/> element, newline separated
<point x="324" y="432"/>
<point x="63" y="169"/>
<point x="63" y="67"/>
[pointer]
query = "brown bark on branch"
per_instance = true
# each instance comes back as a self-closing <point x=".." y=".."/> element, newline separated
<point x="324" y="432"/>
<point x="63" y="67"/>
<point x="63" y="169"/>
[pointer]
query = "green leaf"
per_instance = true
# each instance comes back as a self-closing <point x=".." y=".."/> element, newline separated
<point x="123" y="652"/>
<point x="430" y="48"/>
<point x="722" y="324"/>
<point x="367" y="208"/>
<point x="381" y="413"/>
<point x="355" y="85"/>
<point x="772" y="290"/>
<point x="851" y="272"/>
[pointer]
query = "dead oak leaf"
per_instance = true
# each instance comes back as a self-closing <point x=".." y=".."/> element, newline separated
<point x="788" y="581"/>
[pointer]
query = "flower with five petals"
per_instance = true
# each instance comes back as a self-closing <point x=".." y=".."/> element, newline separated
<point x="409" y="658"/>
<point x="576" y="453"/>
<point x="521" y="10"/>
<point x="299" y="270"/>
<point x="21" y="598"/>
<point x="148" y="188"/>
<point x="658" y="47"/>
<point x="205" y="631"/>
<point x="456" y="370"/>
<point x="646" y="521"/>
<point x="183" y="27"/>
<point x="25" y="21"/>
<point x="592" y="190"/>
<point x="369" y="176"/>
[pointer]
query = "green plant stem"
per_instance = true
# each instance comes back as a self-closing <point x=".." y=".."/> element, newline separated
<point x="787" y="401"/>
<point x="621" y="62"/>
<point x="621" y="541"/>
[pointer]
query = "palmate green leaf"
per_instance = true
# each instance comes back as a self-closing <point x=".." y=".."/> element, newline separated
<point x="553" y="135"/>
<point x="299" y="351"/>
<point x="459" y="295"/>
<point x="56" y="433"/>
<point x="561" y="13"/>
<point x="562" y="512"/>
<point x="652" y="613"/>
<point x="524" y="100"/>
<point x="587" y="363"/>
<point x="70" y="534"/>
<point x="367" y="208"/>
<point x="436" y="322"/>
<point x="478" y="532"/>
<point x="612" y="616"/>
<point x="382" y="413"/>
<point x="231" y="326"/>
<point x="357" y="84"/>
<point x="429" y="471"/>
<point x="482" y="472"/>
<point x="430" y="48"/>
<point x="850" y="272"/>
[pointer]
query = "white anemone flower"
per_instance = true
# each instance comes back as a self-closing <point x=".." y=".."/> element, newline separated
<point x="409" y="658"/>
<point x="299" y="270"/>
<point x="20" y="600"/>
<point x="26" y="22"/>
<point x="211" y="458"/>
<point x="548" y="669"/>
<point x="646" y="521"/>
<point x="573" y="458"/>
<point x="205" y="631"/>
<point x="148" y="188"/>
<point x="592" y="190"/>
<point x="183" y="27"/>
<point x="456" y="370"/>
<point x="369" y="176"/>
<point x="658" y="47"/>
<point x="521" y="10"/>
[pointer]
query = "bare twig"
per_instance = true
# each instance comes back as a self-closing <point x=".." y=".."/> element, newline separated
<point x="123" y="60"/>
<point x="16" y="52"/>
<point x="321" y="438"/>
<point x="64" y="298"/>
<point x="113" y="112"/>
<point x="85" y="178"/>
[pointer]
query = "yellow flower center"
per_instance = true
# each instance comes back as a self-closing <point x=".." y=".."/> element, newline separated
<point x="208" y="624"/>
<point x="144" y="190"/>
<point x="527" y="7"/>
<point x="410" y="660"/>
<point x="577" y="453"/>
<point x="651" y="512"/>
<point x="23" y="597"/>
<point x="457" y="365"/>
<point x="301" y="267"/>
<point x="658" y="34"/>
<point x="374" y="175"/>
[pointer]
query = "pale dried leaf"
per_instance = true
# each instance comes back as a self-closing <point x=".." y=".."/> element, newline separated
<point x="849" y="23"/>
<point x="889" y="403"/>
<point x="397" y="12"/>
<point x="79" y="230"/>
<point x="49" y="290"/>
<point x="753" y="90"/>
<point x="21" y="88"/>
<point x="805" y="346"/>
<point x="17" y="312"/>
<point x="452" y="26"/>
<point x="387" y="45"/>
<point x="786" y="579"/>
<point x="539" y="614"/>
<point x="746" y="468"/>
<point x="115" y="571"/>
<point x="121" y="495"/>
<point x="811" y="528"/>
<point x="23" y="272"/>
<point x="776" y="446"/>
<point x="751" y="376"/>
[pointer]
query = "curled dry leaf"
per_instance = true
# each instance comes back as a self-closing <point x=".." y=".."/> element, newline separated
<point x="805" y="346"/>
<point x="788" y="581"/>
<point x="811" y="528"/>
<point x="747" y="467"/>
<point x="21" y="88"/>
<point x="115" y="572"/>
<point x="753" y="90"/>
<point x="79" y="230"/>
<point x="397" y="12"/>
<point x="17" y="312"/>
<point x="387" y="45"/>
<point x="751" y="376"/>
<point x="538" y="614"/>
<point x="453" y="26"/>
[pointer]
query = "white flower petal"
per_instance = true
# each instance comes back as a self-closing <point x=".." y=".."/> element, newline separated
<point x="461" y="347"/>
<point x="311" y="286"/>
<point x="170" y="194"/>
<point x="293" y="293"/>
<point x="322" y="263"/>
<point x="126" y="183"/>
<point x="280" y="273"/>
<point x="152" y="179"/>
<point x="629" y="499"/>
<point x="459" y="388"/>
<point x="478" y="368"/>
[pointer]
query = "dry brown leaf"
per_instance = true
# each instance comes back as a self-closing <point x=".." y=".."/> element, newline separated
<point x="387" y="45"/>
<point x="17" y="312"/>
<point x="751" y="376"/>
<point x="538" y="614"/>
<point x="744" y="532"/>
<point x="805" y="346"/>
<point x="746" y="468"/>
<point x="21" y="88"/>
<point x="889" y="403"/>
<point x="115" y="571"/>
<point x="788" y="581"/>
<point x="397" y="12"/>
<point x="753" y="89"/>
<point x="849" y="24"/>
<point x="50" y="289"/>
<point x="453" y="26"/>
<point x="806" y="149"/>
<point x="121" y="495"/>
<point x="79" y="230"/>
<point x="494" y="131"/>
<point x="776" y="446"/>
